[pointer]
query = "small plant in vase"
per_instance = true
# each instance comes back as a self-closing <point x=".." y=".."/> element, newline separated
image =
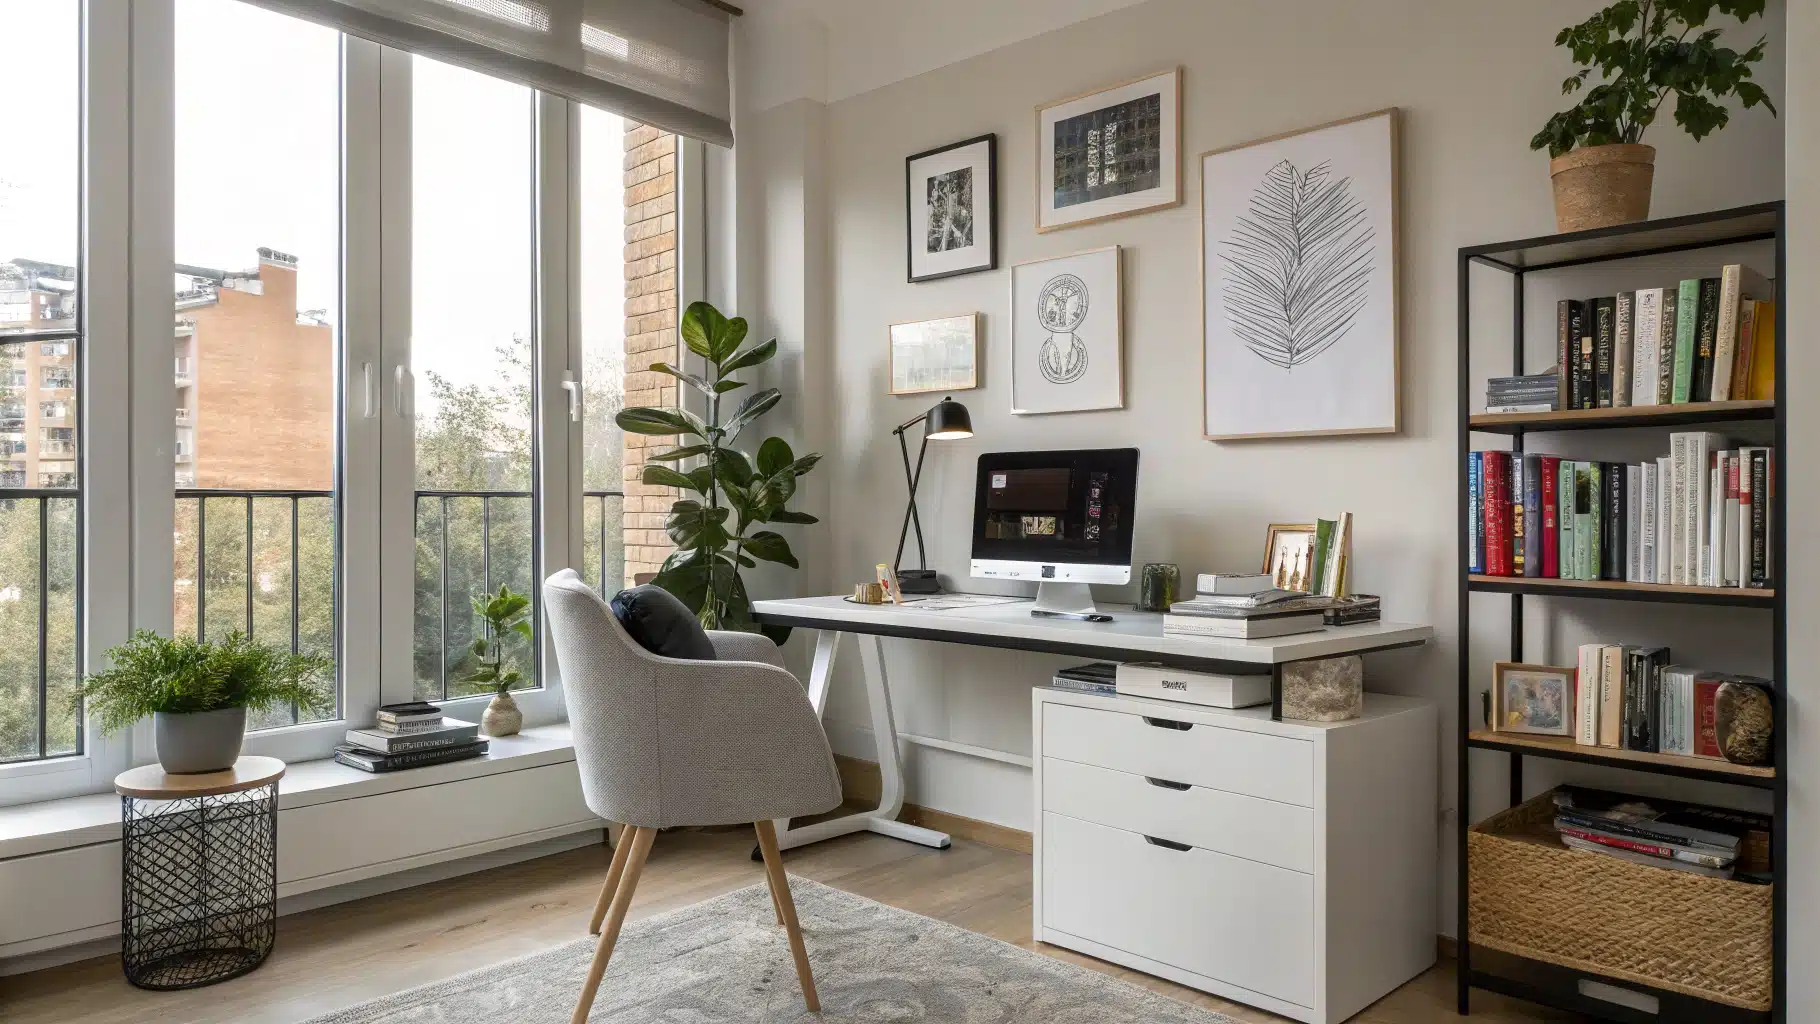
<point x="504" y="613"/>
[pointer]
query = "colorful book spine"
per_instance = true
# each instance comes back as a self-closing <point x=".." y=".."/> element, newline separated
<point x="1687" y="320"/>
<point x="1570" y="508"/>
<point x="1725" y="344"/>
<point x="1666" y="336"/>
<point x="1586" y="504"/>
<point x="1587" y="371"/>
<point x="1533" y="530"/>
<point x="1564" y="354"/>
<point x="1605" y="340"/>
<point x="1475" y="512"/>
<point x="1706" y="341"/>
<point x="1747" y="346"/>
<point x="1763" y="359"/>
<point x="1551" y="516"/>
<point x="1518" y="538"/>
<point x="1496" y="475"/>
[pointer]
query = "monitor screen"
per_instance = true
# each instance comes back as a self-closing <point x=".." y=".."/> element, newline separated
<point x="1063" y="507"/>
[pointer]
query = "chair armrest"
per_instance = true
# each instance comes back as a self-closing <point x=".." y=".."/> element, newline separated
<point x="734" y="645"/>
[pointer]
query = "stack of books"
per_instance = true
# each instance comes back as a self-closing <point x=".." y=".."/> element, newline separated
<point x="1245" y="609"/>
<point x="1699" y="516"/>
<point x="1710" y="339"/>
<point x="1703" y="840"/>
<point x="1631" y="698"/>
<point x="1094" y="677"/>
<point x="412" y="735"/>
<point x="1537" y="392"/>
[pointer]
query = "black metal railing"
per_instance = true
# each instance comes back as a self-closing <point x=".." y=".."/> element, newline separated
<point x="39" y="665"/>
<point x="467" y="546"/>
<point x="603" y="540"/>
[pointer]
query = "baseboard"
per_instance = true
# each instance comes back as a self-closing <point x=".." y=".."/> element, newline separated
<point x="860" y="782"/>
<point x="1446" y="948"/>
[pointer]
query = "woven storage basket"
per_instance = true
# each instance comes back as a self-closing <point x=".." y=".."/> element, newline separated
<point x="1672" y="930"/>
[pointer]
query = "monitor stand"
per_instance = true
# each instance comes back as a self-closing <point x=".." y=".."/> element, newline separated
<point x="1070" y="600"/>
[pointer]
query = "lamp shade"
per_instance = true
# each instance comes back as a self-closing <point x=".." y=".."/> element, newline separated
<point x="948" y="421"/>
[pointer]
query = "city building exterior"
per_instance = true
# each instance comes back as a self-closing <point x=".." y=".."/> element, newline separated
<point x="37" y="378"/>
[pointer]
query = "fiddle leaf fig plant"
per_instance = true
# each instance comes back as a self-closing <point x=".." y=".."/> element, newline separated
<point x="1644" y="50"/>
<point x="720" y="529"/>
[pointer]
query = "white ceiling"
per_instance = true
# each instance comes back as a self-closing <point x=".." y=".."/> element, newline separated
<point x="866" y="44"/>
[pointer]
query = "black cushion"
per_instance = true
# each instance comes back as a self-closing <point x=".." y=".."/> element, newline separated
<point x="661" y="624"/>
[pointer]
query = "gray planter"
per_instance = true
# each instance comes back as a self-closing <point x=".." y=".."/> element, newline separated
<point x="203" y="741"/>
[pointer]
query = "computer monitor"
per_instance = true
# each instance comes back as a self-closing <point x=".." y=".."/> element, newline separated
<point x="1061" y="518"/>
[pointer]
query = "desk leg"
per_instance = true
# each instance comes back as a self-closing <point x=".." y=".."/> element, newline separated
<point x="882" y="819"/>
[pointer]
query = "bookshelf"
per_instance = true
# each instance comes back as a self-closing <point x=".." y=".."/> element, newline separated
<point x="1535" y="980"/>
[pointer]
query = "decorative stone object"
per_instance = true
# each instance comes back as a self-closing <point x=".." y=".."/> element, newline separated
<point x="1324" y="690"/>
<point x="1744" y="722"/>
<point x="502" y="717"/>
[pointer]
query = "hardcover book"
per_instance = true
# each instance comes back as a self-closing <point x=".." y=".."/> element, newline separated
<point x="1532" y="515"/>
<point x="1763" y="359"/>
<point x="1647" y="332"/>
<point x="1612" y="555"/>
<point x="1475" y="513"/>
<point x="1633" y="523"/>
<point x="1747" y="344"/>
<point x="1666" y="337"/>
<point x="1611" y="695"/>
<point x="452" y="732"/>
<point x="1604" y="330"/>
<point x="1514" y="502"/>
<point x="1568" y="316"/>
<point x="1738" y="285"/>
<point x="1687" y="320"/>
<point x="1587" y="695"/>
<point x="1587" y="370"/>
<point x="1706" y="341"/>
<point x="1623" y="330"/>
<point x="1551" y="516"/>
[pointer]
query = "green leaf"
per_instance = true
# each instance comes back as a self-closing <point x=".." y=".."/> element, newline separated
<point x="770" y="547"/>
<point x="727" y="341"/>
<point x="523" y="629"/>
<point x="691" y="525"/>
<point x="700" y="323"/>
<point x="775" y="490"/>
<point x="804" y="464"/>
<point x="728" y="385"/>
<point x="679" y="454"/>
<point x="664" y="476"/>
<point x="751" y="357"/>
<point x="660" y="421"/>
<point x="784" y="515"/>
<point x="733" y="466"/>
<point x="774" y="455"/>
<point x="701" y="478"/>
<point x="480" y="647"/>
<point x="752" y="408"/>
<point x="695" y="381"/>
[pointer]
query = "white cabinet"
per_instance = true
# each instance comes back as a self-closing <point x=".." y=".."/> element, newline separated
<point x="1290" y="866"/>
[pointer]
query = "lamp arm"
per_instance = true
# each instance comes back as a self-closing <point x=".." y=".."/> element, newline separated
<point x="903" y="532"/>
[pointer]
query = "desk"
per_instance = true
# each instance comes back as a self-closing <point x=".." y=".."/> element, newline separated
<point x="1130" y="636"/>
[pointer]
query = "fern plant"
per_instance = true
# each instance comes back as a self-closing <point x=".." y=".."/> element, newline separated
<point x="504" y="613"/>
<point x="152" y="674"/>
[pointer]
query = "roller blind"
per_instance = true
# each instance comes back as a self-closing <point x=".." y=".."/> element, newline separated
<point x="660" y="62"/>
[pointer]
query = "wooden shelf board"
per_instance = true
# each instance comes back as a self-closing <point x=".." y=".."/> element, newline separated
<point x="1645" y="416"/>
<point x="1618" y="589"/>
<point x="1564" y="747"/>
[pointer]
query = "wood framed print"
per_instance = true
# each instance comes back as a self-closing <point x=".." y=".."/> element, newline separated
<point x="1067" y="350"/>
<point x="1299" y="283"/>
<point x="1289" y="556"/>
<point x="951" y="210"/>
<point x="1110" y="153"/>
<point x="935" y="355"/>
<point x="1534" y="699"/>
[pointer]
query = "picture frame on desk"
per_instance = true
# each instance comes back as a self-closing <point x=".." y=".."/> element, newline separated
<point x="1536" y="700"/>
<point x="1289" y="556"/>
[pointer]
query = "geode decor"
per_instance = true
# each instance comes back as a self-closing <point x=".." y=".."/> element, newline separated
<point x="1324" y="690"/>
<point x="1744" y="722"/>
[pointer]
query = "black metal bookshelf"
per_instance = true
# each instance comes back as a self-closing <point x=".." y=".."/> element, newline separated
<point x="1531" y="979"/>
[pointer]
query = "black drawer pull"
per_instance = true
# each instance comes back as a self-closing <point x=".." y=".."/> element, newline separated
<point x="1166" y="784"/>
<point x="1166" y="723"/>
<point x="1167" y="844"/>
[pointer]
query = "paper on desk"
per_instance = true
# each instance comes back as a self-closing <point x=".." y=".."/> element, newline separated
<point x="956" y="602"/>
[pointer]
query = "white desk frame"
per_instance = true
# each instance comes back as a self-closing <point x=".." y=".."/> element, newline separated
<point x="1131" y="636"/>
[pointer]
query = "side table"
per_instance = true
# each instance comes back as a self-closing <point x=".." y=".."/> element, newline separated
<point x="199" y="860"/>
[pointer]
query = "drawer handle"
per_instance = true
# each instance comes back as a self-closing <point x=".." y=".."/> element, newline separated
<point x="1166" y="784"/>
<point x="1167" y="844"/>
<point x="1166" y="723"/>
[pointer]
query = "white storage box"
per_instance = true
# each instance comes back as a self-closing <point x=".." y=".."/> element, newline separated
<point x="1153" y="679"/>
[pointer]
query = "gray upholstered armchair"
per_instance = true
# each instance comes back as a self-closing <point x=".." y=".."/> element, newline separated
<point x="662" y="742"/>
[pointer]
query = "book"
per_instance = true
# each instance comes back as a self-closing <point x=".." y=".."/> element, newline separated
<point x="1568" y="513"/>
<point x="1728" y="560"/>
<point x="1495" y="474"/>
<point x="409" y="711"/>
<point x="1646" y="329"/>
<point x="1623" y="328"/>
<point x="1475" y="513"/>
<point x="1633" y="523"/>
<point x="1677" y="509"/>
<point x="1738" y="286"/>
<point x="1687" y="319"/>
<point x="1611" y="695"/>
<point x="1551" y="516"/>
<point x="1233" y="583"/>
<point x="1705" y="689"/>
<point x="1339" y="572"/>
<point x="1532" y="516"/>
<point x="1587" y="695"/>
<point x="1706" y="341"/>
<point x="1567" y="323"/>
<point x="372" y="761"/>
<point x="1238" y="606"/>
<point x="1594" y="524"/>
<point x="1762" y="483"/>
<point x="453" y="731"/>
<point x="1323" y="542"/>
<point x="1666" y="851"/>
<point x="1666" y="336"/>
<point x="1604" y="332"/>
<point x="1094" y="677"/>
<point x="1647" y="492"/>
<point x="1675" y="701"/>
<point x="1763" y="357"/>
<point x="1612" y="526"/>
<point x="1577" y="843"/>
<point x="1662" y="519"/>
<point x="410" y="727"/>
<point x="1515" y="502"/>
<point x="1746" y="524"/>
<point x="1666" y="821"/>
<point x="1747" y="344"/>
<point x="1586" y="370"/>
<point x="1257" y="628"/>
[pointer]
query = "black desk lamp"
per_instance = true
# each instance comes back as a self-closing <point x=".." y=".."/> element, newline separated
<point x="947" y="421"/>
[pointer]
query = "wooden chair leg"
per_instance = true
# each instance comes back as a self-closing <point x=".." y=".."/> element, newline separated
<point x="786" y="908"/>
<point x="614" y="872"/>
<point x="622" y="901"/>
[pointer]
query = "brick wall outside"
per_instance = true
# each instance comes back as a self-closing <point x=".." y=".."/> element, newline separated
<point x="650" y="182"/>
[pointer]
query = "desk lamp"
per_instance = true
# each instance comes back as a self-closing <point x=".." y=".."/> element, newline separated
<point x="947" y="421"/>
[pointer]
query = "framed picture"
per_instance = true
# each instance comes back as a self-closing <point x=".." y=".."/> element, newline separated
<point x="951" y="210"/>
<point x="935" y="355"/>
<point x="1110" y="153"/>
<point x="1066" y="346"/>
<point x="1535" y="699"/>
<point x="1299" y="283"/>
<point x="1289" y="556"/>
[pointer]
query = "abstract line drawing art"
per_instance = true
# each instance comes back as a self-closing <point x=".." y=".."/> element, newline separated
<point x="1060" y="308"/>
<point x="1299" y="265"/>
<point x="950" y="210"/>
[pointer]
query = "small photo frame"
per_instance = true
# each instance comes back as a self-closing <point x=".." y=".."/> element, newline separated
<point x="1289" y="556"/>
<point x="1067" y="347"/>
<point x="1533" y="699"/>
<point x="935" y="355"/>
<point x="951" y="210"/>
<point x="1110" y="153"/>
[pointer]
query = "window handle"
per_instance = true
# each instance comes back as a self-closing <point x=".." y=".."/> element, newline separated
<point x="369" y="391"/>
<point x="405" y="387"/>
<point x="573" y="387"/>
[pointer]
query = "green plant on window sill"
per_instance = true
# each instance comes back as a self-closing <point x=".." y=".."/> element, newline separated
<point x="504" y="612"/>
<point x="152" y="674"/>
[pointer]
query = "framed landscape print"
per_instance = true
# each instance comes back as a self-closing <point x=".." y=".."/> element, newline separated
<point x="935" y="355"/>
<point x="1110" y="153"/>
<point x="951" y="209"/>
<point x="1066" y="347"/>
<point x="1299" y="283"/>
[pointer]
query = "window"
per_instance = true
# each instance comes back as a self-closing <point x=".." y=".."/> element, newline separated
<point x="57" y="378"/>
<point x="601" y="189"/>
<point x="55" y="412"/>
<point x="54" y="349"/>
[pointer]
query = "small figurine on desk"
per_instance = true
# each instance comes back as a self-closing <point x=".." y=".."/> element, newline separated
<point x="888" y="581"/>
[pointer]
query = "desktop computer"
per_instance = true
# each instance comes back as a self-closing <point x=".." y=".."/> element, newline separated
<point x="1061" y="518"/>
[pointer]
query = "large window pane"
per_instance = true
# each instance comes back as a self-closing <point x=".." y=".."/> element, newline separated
<point x="603" y="241"/>
<point x="472" y="300"/>
<point x="258" y="140"/>
<point x="39" y="341"/>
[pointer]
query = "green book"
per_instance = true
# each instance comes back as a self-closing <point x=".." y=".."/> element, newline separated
<point x="1323" y="539"/>
<point x="1595" y="475"/>
<point x="1687" y="322"/>
<point x="1565" y="507"/>
<point x="1583" y="525"/>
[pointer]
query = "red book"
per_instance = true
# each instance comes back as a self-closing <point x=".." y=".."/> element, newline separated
<point x="1497" y="513"/>
<point x="1706" y="718"/>
<point x="1551" y="517"/>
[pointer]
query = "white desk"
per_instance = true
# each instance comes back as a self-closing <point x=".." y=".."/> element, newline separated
<point x="1130" y="636"/>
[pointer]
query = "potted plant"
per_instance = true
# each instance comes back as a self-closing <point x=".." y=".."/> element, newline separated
<point x="1644" y="50"/>
<point x="503" y="613"/>
<point x="716" y="534"/>
<point x="198" y="692"/>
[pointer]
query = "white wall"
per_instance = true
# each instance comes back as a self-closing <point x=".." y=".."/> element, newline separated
<point x="1473" y="81"/>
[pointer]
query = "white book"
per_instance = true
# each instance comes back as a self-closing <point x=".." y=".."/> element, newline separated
<point x="1729" y="561"/>
<point x="1677" y="509"/>
<point x="1646" y="523"/>
<point x="1633" y="524"/>
<point x="1735" y="283"/>
<point x="1645" y="346"/>
<point x="1712" y="559"/>
<point x="1698" y="507"/>
<point x="1663" y="515"/>
<point x="1233" y="583"/>
<point x="1586" y="695"/>
<point x="1623" y="328"/>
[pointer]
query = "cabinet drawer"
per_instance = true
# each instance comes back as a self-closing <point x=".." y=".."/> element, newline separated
<point x="1232" y="760"/>
<point x="1243" y="826"/>
<point x="1241" y="922"/>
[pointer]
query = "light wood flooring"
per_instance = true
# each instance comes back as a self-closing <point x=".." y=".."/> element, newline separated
<point x="336" y="956"/>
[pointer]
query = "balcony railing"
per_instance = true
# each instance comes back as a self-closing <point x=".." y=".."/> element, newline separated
<point x="39" y="616"/>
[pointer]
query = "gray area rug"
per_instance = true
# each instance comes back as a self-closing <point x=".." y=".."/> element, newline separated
<point x="726" y="960"/>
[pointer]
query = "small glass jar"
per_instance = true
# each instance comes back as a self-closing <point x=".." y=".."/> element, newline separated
<point x="1157" y="587"/>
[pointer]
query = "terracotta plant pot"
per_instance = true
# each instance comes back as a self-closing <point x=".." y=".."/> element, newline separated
<point x="502" y="717"/>
<point x="1599" y="186"/>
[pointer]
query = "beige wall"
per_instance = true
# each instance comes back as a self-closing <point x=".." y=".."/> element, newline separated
<point x="1473" y="80"/>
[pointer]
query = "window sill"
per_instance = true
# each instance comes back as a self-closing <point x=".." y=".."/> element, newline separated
<point x="51" y="825"/>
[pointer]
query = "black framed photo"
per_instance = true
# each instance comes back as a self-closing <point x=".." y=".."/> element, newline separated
<point x="951" y="210"/>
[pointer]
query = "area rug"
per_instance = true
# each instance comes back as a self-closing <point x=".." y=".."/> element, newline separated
<point x="726" y="960"/>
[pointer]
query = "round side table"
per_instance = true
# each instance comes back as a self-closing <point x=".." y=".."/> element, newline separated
<point x="199" y="859"/>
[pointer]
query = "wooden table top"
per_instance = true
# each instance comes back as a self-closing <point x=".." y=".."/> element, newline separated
<point x="152" y="782"/>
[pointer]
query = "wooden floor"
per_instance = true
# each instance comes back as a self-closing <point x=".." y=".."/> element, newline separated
<point x="336" y="956"/>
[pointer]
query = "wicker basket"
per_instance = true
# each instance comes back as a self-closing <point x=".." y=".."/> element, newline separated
<point x="1672" y="930"/>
